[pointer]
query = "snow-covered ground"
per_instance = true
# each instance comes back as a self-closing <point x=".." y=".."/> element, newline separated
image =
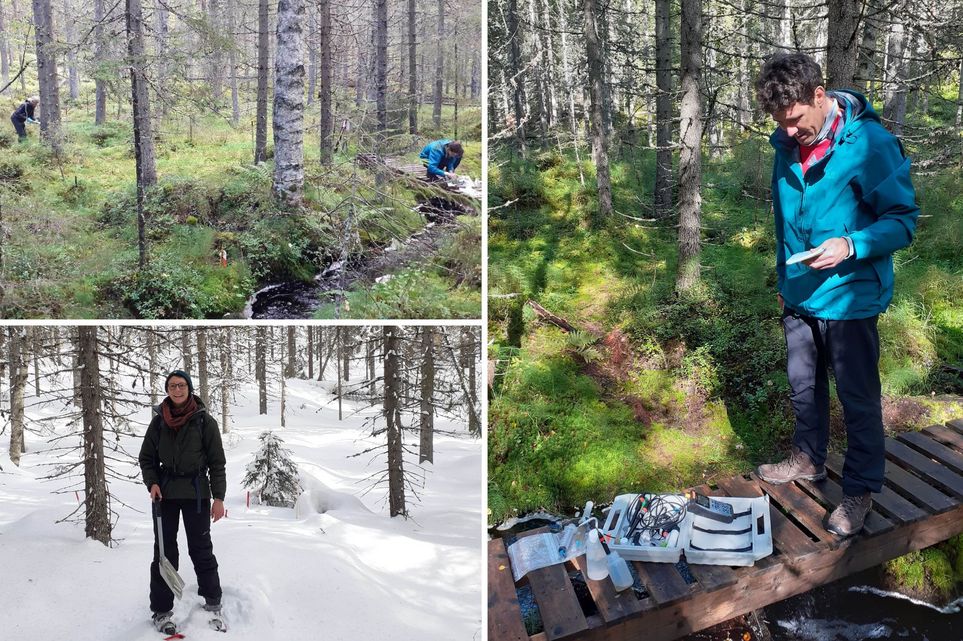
<point x="336" y="568"/>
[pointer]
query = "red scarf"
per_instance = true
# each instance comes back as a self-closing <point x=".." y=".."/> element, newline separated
<point x="810" y="155"/>
<point x="176" y="417"/>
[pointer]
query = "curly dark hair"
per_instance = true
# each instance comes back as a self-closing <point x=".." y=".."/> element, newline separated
<point x="785" y="79"/>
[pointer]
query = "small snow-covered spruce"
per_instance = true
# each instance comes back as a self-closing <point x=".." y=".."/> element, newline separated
<point x="272" y="475"/>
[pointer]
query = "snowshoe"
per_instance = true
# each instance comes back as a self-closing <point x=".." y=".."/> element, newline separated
<point x="164" y="623"/>
<point x="215" y="619"/>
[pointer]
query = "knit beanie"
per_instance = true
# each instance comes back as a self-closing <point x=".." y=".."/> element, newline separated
<point x="182" y="374"/>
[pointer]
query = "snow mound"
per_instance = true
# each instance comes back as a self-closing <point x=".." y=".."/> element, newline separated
<point x="318" y="498"/>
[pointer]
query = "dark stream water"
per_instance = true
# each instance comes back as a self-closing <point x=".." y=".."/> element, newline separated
<point x="856" y="608"/>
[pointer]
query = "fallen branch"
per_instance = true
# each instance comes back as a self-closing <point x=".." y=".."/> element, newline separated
<point x="549" y="317"/>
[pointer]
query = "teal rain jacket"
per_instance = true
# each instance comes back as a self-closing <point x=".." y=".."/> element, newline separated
<point x="860" y="189"/>
<point x="434" y="157"/>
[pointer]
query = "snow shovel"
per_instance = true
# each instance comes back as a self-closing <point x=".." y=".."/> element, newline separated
<point x="167" y="570"/>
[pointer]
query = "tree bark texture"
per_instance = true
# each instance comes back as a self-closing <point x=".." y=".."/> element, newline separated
<point x="143" y="137"/>
<point x="439" y="64"/>
<point x="662" y="200"/>
<point x="18" y="384"/>
<point x="47" y="75"/>
<point x="426" y="450"/>
<point x="842" y="40"/>
<point x="593" y="54"/>
<point x="392" y="413"/>
<point x="95" y="477"/>
<point x="326" y="122"/>
<point x="288" y="116"/>
<point x="260" y="132"/>
<point x="690" y="137"/>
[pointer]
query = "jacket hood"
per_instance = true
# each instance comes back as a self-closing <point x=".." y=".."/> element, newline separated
<point x="857" y="112"/>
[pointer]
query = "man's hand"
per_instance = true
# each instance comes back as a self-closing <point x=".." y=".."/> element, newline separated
<point x="217" y="510"/>
<point x="836" y="250"/>
<point x="155" y="493"/>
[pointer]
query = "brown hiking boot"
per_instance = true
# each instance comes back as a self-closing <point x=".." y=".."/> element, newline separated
<point x="797" y="467"/>
<point x="848" y="518"/>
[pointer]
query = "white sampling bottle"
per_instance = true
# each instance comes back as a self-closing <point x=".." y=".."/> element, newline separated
<point x="619" y="571"/>
<point x="595" y="557"/>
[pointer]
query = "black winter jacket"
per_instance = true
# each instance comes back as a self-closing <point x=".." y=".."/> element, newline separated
<point x="24" y="111"/>
<point x="172" y="459"/>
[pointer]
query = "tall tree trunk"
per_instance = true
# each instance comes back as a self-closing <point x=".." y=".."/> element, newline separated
<point x="743" y="81"/>
<point x="841" y="43"/>
<point x="426" y="449"/>
<point x="569" y="89"/>
<point x="515" y="67"/>
<point x="291" y="369"/>
<point x="232" y="64"/>
<point x="310" y="357"/>
<point x="73" y="71"/>
<point x="227" y="375"/>
<point x="690" y="137"/>
<point x="187" y="355"/>
<point x="100" y="55"/>
<point x="202" y="366"/>
<point x="894" y="94"/>
<point x="161" y="47"/>
<point x="593" y="54"/>
<point x="284" y="387"/>
<point x="152" y="365"/>
<point x="18" y="384"/>
<point x="47" y="75"/>
<point x="412" y="70"/>
<point x="260" y="135"/>
<point x="261" y="369"/>
<point x="392" y="412"/>
<point x="866" y="55"/>
<point x="95" y="477"/>
<point x="439" y="65"/>
<point x="288" y="115"/>
<point x="326" y="121"/>
<point x="662" y="200"/>
<point x="5" y="48"/>
<point x="143" y="138"/>
<point x="468" y="360"/>
<point x="381" y="74"/>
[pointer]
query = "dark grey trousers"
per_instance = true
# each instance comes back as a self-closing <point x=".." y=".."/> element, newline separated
<point x="197" y="526"/>
<point x="851" y="348"/>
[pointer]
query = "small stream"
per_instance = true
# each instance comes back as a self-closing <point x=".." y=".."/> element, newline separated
<point x="855" y="608"/>
<point x="299" y="299"/>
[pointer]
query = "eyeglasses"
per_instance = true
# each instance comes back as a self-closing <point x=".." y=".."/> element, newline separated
<point x="177" y="386"/>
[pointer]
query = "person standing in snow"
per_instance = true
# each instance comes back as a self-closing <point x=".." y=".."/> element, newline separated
<point x="182" y="462"/>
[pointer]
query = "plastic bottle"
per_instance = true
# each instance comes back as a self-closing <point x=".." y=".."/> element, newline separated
<point x="596" y="559"/>
<point x="619" y="571"/>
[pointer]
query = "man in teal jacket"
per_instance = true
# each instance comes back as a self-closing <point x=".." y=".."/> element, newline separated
<point x="441" y="158"/>
<point x="840" y="186"/>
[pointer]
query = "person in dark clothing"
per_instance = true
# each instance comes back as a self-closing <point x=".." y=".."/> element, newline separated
<point x="441" y="158"/>
<point x="182" y="462"/>
<point x="24" y="114"/>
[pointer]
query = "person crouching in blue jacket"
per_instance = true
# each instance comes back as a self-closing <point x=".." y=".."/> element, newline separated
<point x="441" y="158"/>
<point x="840" y="185"/>
<point x="24" y="114"/>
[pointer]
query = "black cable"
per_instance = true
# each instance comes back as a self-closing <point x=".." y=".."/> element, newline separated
<point x="654" y="513"/>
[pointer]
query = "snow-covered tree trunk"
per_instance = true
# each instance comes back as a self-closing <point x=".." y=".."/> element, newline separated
<point x="95" y="479"/>
<point x="202" y="366"/>
<point x="392" y="414"/>
<point x="18" y="383"/>
<point x="261" y="369"/>
<point x="291" y="369"/>
<point x="284" y="387"/>
<point x="288" y="115"/>
<point x="426" y="449"/>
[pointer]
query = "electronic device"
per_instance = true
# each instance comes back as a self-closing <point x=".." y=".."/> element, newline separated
<point x="710" y="508"/>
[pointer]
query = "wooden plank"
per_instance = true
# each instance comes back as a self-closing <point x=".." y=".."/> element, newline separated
<point x="917" y="490"/>
<point x="786" y="536"/>
<point x="612" y="605"/>
<point x="830" y="492"/>
<point x="780" y="582"/>
<point x="561" y="613"/>
<point x="946" y="436"/>
<point x="504" y="614"/>
<point x="663" y="582"/>
<point x="956" y="424"/>
<point x="803" y="508"/>
<point x="938" y="451"/>
<point x="929" y="470"/>
<point x="887" y="500"/>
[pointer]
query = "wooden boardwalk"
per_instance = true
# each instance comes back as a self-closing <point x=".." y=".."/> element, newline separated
<point x="921" y="504"/>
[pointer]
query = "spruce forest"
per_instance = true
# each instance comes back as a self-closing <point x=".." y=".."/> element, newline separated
<point x="189" y="155"/>
<point x="634" y="326"/>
